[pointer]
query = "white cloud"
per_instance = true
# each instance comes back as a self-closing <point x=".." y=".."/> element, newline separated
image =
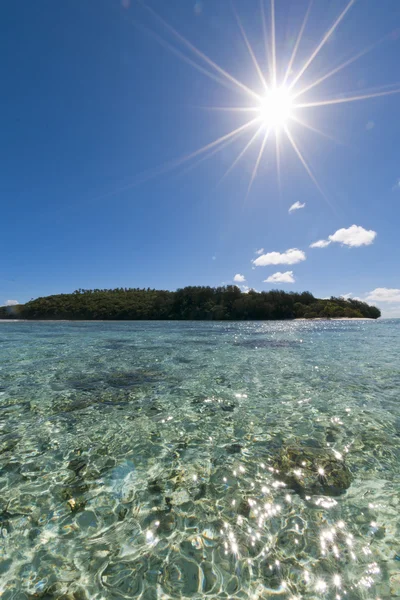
<point x="396" y="187"/>
<point x="354" y="236"/>
<point x="296" y="206"/>
<point x="369" y="125"/>
<point x="279" y="277"/>
<point x="320" y="244"/>
<point x="11" y="303"/>
<point x="383" y="295"/>
<point x="213" y="258"/>
<point x="290" y="257"/>
<point x="346" y="296"/>
<point x="245" y="288"/>
<point x="239" y="278"/>
<point x="260" y="251"/>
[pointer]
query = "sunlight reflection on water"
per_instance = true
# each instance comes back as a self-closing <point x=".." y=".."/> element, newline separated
<point x="134" y="474"/>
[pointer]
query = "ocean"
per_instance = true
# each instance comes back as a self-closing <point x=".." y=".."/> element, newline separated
<point x="236" y="460"/>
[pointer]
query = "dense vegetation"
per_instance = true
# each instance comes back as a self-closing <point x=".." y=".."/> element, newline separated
<point x="200" y="303"/>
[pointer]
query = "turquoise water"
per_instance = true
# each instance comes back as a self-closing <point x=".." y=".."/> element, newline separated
<point x="139" y="460"/>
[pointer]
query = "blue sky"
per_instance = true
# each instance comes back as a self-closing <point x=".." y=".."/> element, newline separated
<point x="98" y="110"/>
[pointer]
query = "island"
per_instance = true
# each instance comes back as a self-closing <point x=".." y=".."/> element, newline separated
<point x="189" y="303"/>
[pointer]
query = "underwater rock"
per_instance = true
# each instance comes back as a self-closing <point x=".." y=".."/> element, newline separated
<point x="233" y="449"/>
<point x="244" y="509"/>
<point x="228" y="407"/>
<point x="309" y="470"/>
<point x="155" y="486"/>
<point x="135" y="378"/>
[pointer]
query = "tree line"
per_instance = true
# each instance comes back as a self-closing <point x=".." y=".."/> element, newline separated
<point x="189" y="303"/>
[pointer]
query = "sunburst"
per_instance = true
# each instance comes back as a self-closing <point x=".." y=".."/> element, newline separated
<point x="273" y="110"/>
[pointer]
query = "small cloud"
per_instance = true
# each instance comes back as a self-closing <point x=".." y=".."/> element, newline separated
<point x="198" y="8"/>
<point x="239" y="278"/>
<point x="245" y="289"/>
<point x="370" y="125"/>
<point x="346" y="296"/>
<point x="383" y="295"/>
<point x="11" y="303"/>
<point x="213" y="258"/>
<point x="320" y="244"/>
<point x="396" y="187"/>
<point x="279" y="277"/>
<point x="296" y="206"/>
<point x="354" y="236"/>
<point x="260" y="251"/>
<point x="290" y="257"/>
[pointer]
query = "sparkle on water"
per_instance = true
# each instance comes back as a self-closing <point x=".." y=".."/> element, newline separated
<point x="137" y="460"/>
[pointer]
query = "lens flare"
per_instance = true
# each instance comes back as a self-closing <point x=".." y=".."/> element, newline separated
<point x="273" y="109"/>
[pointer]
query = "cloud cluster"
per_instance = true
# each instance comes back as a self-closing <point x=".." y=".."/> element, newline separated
<point x="11" y="303"/>
<point x="279" y="277"/>
<point x="290" y="257"/>
<point x="383" y="295"/>
<point x="296" y="206"/>
<point x="353" y="237"/>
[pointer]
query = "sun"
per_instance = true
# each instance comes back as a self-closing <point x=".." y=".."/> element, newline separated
<point x="276" y="108"/>
<point x="277" y="105"/>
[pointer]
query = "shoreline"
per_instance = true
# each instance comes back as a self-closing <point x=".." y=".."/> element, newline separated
<point x="188" y="320"/>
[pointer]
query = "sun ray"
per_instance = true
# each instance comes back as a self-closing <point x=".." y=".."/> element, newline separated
<point x="242" y="153"/>
<point x="254" y="173"/>
<point x="278" y="159"/>
<point x="175" y="163"/>
<point x="264" y="28"/>
<point x="181" y="55"/>
<point x="322" y="43"/>
<point x="208" y="154"/>
<point x="336" y="70"/>
<point x="316" y="130"/>
<point x="304" y="163"/>
<point x="296" y="47"/>
<point x="250" y="49"/>
<point x="178" y="162"/>
<point x="246" y="109"/>
<point x="348" y="99"/>
<point x="273" y="43"/>
<point x="203" y="56"/>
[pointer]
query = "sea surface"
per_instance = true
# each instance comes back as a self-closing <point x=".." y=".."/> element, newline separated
<point x="142" y="460"/>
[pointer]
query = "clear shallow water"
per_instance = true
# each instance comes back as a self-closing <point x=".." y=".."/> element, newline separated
<point x="135" y="460"/>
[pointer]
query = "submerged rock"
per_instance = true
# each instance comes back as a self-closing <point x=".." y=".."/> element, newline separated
<point x="309" y="470"/>
<point x="233" y="448"/>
